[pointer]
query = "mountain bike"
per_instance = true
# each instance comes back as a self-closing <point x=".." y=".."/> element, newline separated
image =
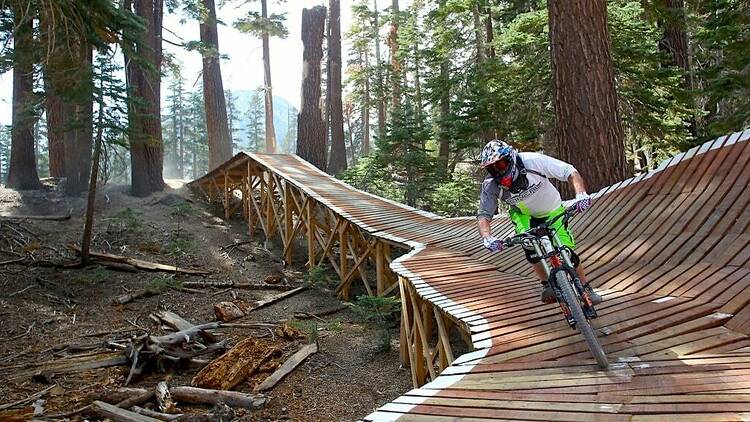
<point x="572" y="296"/>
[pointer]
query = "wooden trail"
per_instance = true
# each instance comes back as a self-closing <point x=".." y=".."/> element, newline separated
<point x="669" y="251"/>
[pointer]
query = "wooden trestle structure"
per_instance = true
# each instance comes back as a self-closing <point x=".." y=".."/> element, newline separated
<point x="668" y="250"/>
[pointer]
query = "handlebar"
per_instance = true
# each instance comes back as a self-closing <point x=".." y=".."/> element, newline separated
<point x="540" y="230"/>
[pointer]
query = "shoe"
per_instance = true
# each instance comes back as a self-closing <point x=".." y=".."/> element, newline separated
<point x="595" y="297"/>
<point x="548" y="294"/>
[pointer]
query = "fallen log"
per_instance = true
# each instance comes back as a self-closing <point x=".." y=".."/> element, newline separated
<point x="235" y="366"/>
<point x="231" y="398"/>
<point x="27" y="399"/>
<point x="117" y="414"/>
<point x="47" y="370"/>
<point x="273" y="299"/>
<point x="235" y="285"/>
<point x="185" y="335"/>
<point x="287" y="367"/>
<point x="61" y="217"/>
<point x="129" y="297"/>
<point x="139" y="263"/>
<point x="137" y="398"/>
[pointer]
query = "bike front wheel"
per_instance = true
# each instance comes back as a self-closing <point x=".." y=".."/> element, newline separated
<point x="571" y="298"/>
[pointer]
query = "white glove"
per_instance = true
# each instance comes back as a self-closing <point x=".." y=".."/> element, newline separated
<point x="494" y="244"/>
<point x="583" y="202"/>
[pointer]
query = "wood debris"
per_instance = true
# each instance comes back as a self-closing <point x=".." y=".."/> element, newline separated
<point x="105" y="258"/>
<point x="228" y="311"/>
<point x="117" y="414"/>
<point x="235" y="285"/>
<point x="206" y="396"/>
<point x="288" y="367"/>
<point x="236" y="365"/>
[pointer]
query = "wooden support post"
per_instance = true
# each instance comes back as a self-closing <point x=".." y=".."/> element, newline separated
<point x="344" y="253"/>
<point x="380" y="267"/>
<point x="289" y="223"/>
<point x="406" y="326"/>
<point x="269" y="208"/>
<point x="443" y="339"/>
<point x="424" y="348"/>
<point x="248" y="199"/>
<point x="310" y="234"/>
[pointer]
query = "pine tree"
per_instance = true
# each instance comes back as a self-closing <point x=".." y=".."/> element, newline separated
<point x="233" y="118"/>
<point x="256" y="135"/>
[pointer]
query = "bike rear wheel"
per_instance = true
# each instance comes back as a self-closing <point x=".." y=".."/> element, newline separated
<point x="581" y="322"/>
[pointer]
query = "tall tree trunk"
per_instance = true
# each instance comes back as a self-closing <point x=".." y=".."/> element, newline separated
<point x="366" y="109"/>
<point x="379" y="71"/>
<point x="395" y="64"/>
<point x="478" y="32"/>
<point x="674" y="43"/>
<point x="91" y="202"/>
<point x="55" y="133"/>
<point x="270" y="132"/>
<point x="78" y="138"/>
<point x="338" y="146"/>
<point x="219" y="140"/>
<point x="22" y="172"/>
<point x="588" y="129"/>
<point x="311" y="143"/>
<point x="444" y="140"/>
<point x="146" y="146"/>
<point x="489" y="32"/>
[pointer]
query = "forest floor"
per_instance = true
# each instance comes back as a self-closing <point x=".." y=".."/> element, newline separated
<point x="50" y="313"/>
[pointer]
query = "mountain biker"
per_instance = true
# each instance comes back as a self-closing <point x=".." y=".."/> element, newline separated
<point x="521" y="180"/>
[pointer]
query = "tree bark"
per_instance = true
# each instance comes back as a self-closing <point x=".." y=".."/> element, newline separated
<point x="338" y="146"/>
<point x="379" y="71"/>
<point x="80" y="112"/>
<point x="311" y="143"/>
<point x="489" y="33"/>
<point x="146" y="146"/>
<point x="588" y="130"/>
<point x="270" y="131"/>
<point x="445" y="108"/>
<point x="395" y="64"/>
<point x="22" y="172"/>
<point x="219" y="140"/>
<point x="675" y="44"/>
<point x="366" y="109"/>
<point x="55" y="134"/>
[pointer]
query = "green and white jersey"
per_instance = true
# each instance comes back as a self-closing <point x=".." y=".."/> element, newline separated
<point x="539" y="199"/>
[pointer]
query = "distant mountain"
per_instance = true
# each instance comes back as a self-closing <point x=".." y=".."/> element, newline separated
<point x="281" y="109"/>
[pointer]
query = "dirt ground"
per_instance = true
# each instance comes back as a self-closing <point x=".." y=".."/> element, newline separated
<point x="48" y="312"/>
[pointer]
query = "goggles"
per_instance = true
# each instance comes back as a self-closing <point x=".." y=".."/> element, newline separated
<point x="500" y="171"/>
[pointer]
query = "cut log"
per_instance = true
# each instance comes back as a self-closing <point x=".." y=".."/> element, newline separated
<point x="129" y="297"/>
<point x="119" y="394"/>
<point x="163" y="398"/>
<point x="157" y="415"/>
<point x="205" y="396"/>
<point x="227" y="311"/>
<point x="235" y="366"/>
<point x="287" y="367"/>
<point x="139" y="263"/>
<point x="117" y="414"/>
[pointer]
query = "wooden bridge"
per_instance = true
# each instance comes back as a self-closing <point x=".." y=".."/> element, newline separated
<point x="668" y="250"/>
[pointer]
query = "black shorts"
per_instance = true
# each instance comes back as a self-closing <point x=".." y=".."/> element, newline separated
<point x="533" y="258"/>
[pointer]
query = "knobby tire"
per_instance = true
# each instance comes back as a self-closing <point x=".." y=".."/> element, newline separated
<point x="581" y="322"/>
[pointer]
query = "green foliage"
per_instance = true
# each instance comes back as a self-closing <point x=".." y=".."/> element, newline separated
<point x="181" y="244"/>
<point x="91" y="275"/>
<point x="334" y="326"/>
<point x="181" y="210"/>
<point x="127" y="219"/>
<point x="456" y="197"/>
<point x="722" y="57"/>
<point x="309" y="327"/>
<point x="378" y="312"/>
<point x="254" y="24"/>
<point x="319" y="278"/>
<point x="162" y="284"/>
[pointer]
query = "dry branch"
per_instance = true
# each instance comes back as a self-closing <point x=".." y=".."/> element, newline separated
<point x="117" y="414"/>
<point x="288" y="367"/>
<point x="205" y="396"/>
<point x="161" y="416"/>
<point x="232" y="284"/>
<point x="129" y="297"/>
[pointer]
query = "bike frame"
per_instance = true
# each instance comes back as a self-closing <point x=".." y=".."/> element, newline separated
<point x="555" y="257"/>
